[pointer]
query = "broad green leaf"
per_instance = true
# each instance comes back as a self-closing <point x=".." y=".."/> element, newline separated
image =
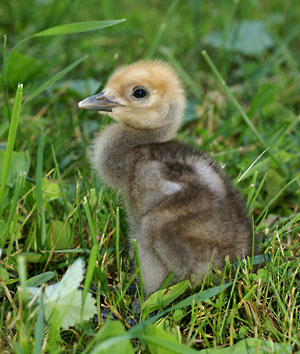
<point x="22" y="67"/>
<point x="53" y="79"/>
<point x="68" y="308"/>
<point x="162" y="337"/>
<point x="59" y="234"/>
<point x="161" y="342"/>
<point x="164" y="297"/>
<point x="251" y="346"/>
<point x="69" y="282"/>
<point x="113" y="339"/>
<point x="77" y="27"/>
<point x="51" y="190"/>
<point x="196" y="298"/>
<point x="69" y="28"/>
<point x="3" y="274"/>
<point x="63" y="300"/>
<point x="203" y="295"/>
<point x="40" y="279"/>
<point x="264" y="274"/>
<point x="20" y="161"/>
<point x="81" y="87"/>
<point x="248" y="37"/>
<point x="178" y="315"/>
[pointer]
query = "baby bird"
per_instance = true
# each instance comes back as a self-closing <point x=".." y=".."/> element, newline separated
<point x="182" y="209"/>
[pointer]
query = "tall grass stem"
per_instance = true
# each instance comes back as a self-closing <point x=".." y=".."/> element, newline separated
<point x="39" y="191"/>
<point x="11" y="140"/>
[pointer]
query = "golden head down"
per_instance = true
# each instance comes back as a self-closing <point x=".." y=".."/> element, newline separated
<point x="182" y="209"/>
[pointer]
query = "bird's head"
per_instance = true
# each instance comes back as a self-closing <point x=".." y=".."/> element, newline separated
<point x="146" y="95"/>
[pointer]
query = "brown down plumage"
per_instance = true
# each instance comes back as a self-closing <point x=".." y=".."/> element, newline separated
<point x="182" y="209"/>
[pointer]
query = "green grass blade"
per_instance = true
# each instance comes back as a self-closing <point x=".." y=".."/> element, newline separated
<point x="138" y="265"/>
<point x="167" y="345"/>
<point x="39" y="191"/>
<point x="239" y="108"/>
<point x="77" y="27"/>
<point x="113" y="329"/>
<point x="266" y="208"/>
<point x="294" y="220"/>
<point x="250" y="167"/>
<point x="12" y="213"/>
<point x="196" y="298"/>
<point x="121" y="296"/>
<point x="61" y="186"/>
<point x="275" y="57"/>
<point x="39" y="326"/>
<point x="118" y="243"/>
<point x="90" y="221"/>
<point x="161" y="31"/>
<point x="279" y="299"/>
<point x="290" y="128"/>
<point x="11" y="139"/>
<point x="89" y="274"/>
<point x="95" y="243"/>
<point x="252" y="201"/>
<point x="251" y="188"/>
<point x="203" y="295"/>
<point x="233" y="99"/>
<point x="4" y="76"/>
<point x="70" y="28"/>
<point x="168" y="280"/>
<point x="53" y="79"/>
<point x="116" y="304"/>
<point x="189" y="82"/>
<point x="106" y="345"/>
<point x="22" y="278"/>
<point x="39" y="279"/>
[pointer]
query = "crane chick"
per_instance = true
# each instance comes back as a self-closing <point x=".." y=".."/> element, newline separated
<point x="182" y="209"/>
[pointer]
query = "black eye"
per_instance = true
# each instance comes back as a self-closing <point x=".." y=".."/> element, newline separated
<point x="139" y="92"/>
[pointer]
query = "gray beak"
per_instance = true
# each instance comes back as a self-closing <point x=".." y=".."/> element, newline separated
<point x="98" y="102"/>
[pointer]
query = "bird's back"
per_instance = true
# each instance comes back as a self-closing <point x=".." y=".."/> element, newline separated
<point x="173" y="173"/>
<point x="184" y="208"/>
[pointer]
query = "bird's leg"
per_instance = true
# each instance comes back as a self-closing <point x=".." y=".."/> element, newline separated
<point x="153" y="270"/>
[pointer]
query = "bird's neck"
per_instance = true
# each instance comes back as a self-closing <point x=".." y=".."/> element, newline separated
<point x="135" y="137"/>
<point x="114" y="154"/>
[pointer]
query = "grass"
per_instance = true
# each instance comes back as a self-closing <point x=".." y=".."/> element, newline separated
<point x="54" y="210"/>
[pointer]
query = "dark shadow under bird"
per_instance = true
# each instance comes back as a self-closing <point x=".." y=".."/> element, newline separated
<point x="182" y="208"/>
